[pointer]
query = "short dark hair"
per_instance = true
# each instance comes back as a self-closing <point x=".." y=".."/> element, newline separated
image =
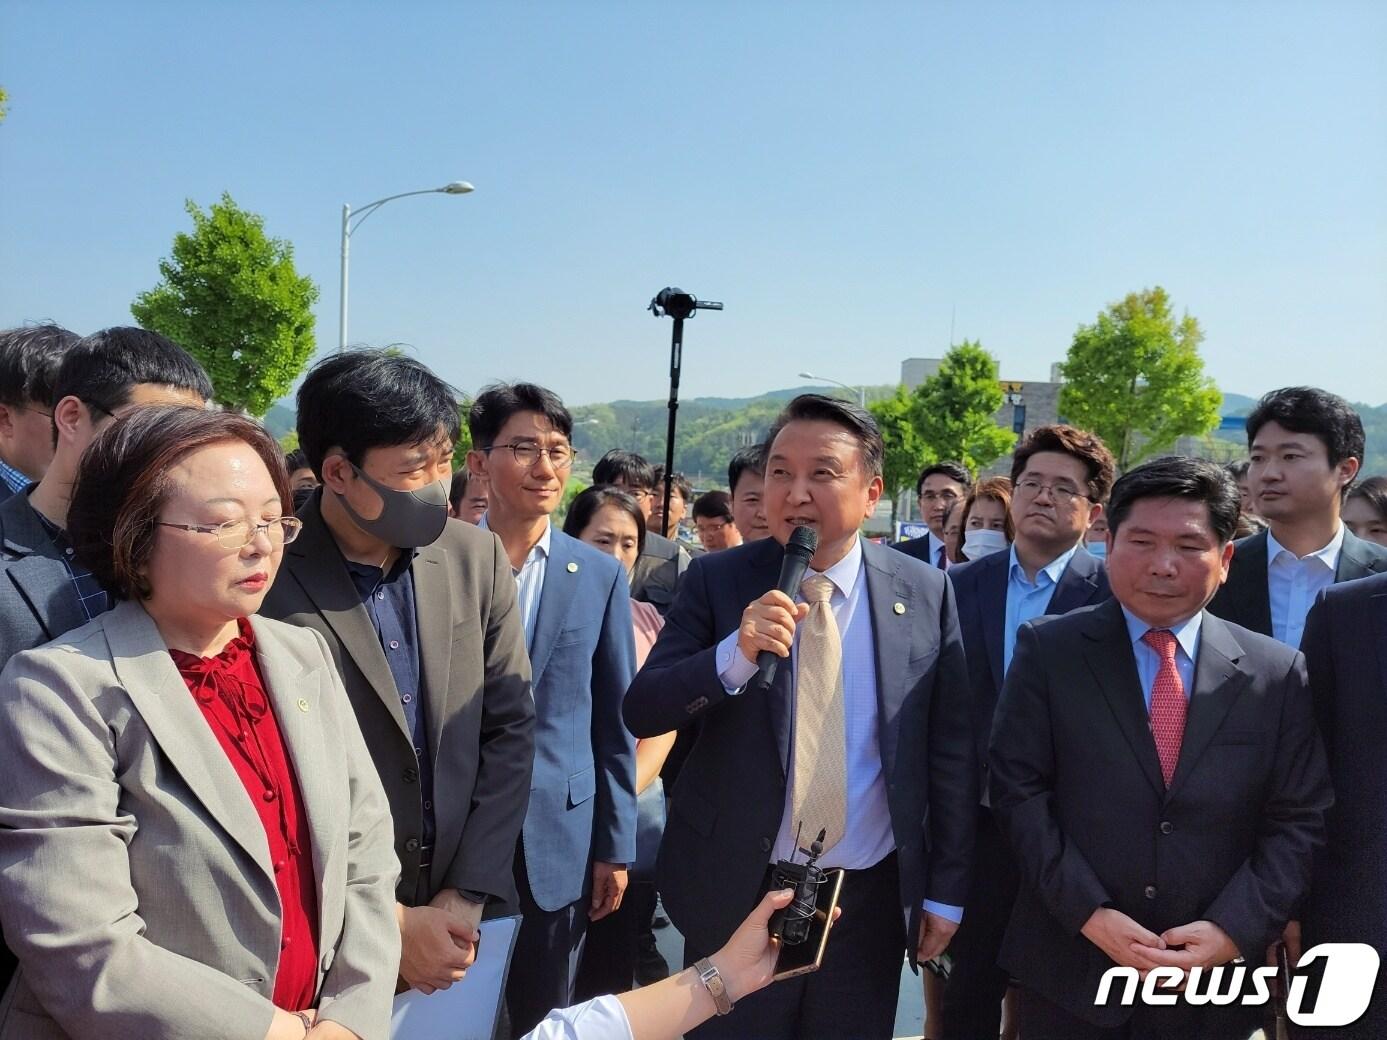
<point x="1238" y="470"/>
<point x="29" y="360"/>
<point x="363" y="399"/>
<point x="955" y="471"/>
<point x="587" y="503"/>
<point x="626" y="467"/>
<point x="123" y="482"/>
<point x="457" y="490"/>
<point x="680" y="483"/>
<point x="1308" y="409"/>
<point x="1077" y="444"/>
<point x="746" y="460"/>
<point x="1178" y="476"/>
<point x="821" y="408"/>
<point x="1373" y="491"/>
<point x="497" y="403"/>
<point x="103" y="368"/>
<point x="296" y="459"/>
<point x="715" y="505"/>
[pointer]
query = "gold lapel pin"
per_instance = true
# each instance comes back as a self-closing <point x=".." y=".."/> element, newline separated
<point x="899" y="608"/>
<point x="572" y="568"/>
<point x="303" y="704"/>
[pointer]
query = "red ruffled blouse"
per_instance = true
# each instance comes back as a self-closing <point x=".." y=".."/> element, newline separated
<point x="231" y="693"/>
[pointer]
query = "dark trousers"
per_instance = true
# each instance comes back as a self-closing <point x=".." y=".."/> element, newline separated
<point x="545" y="962"/>
<point x="972" y="1008"/>
<point x="853" y="996"/>
<point x="609" y="951"/>
<point x="1042" y="1020"/>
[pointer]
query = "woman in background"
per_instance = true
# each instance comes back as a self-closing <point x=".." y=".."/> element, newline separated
<point x="1365" y="510"/>
<point x="986" y="518"/>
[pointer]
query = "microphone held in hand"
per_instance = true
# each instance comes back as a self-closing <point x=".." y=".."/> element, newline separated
<point x="804" y="542"/>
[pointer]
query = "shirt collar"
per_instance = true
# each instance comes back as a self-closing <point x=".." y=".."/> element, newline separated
<point x="1186" y="633"/>
<point x="540" y="548"/>
<point x="1054" y="570"/>
<point x="1329" y="555"/>
<point x="844" y="573"/>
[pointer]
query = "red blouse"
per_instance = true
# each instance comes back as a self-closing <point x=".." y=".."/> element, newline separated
<point x="231" y="693"/>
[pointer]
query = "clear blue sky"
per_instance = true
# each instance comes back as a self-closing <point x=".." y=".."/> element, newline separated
<point x="845" y="176"/>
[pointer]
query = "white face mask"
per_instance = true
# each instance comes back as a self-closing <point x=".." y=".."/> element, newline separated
<point x="1098" y="549"/>
<point x="978" y="543"/>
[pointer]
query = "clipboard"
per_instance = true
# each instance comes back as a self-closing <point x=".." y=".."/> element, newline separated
<point x="466" y="1010"/>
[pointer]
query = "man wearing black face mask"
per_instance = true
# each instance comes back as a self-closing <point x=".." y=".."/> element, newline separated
<point x="419" y="612"/>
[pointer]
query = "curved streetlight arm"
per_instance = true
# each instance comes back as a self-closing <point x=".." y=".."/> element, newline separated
<point x="360" y="214"/>
<point x="860" y="391"/>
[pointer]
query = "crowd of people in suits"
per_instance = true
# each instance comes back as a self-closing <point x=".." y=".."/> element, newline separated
<point x="280" y="734"/>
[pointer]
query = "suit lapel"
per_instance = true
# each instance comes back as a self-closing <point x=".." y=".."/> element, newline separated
<point x="555" y="598"/>
<point x="991" y="605"/>
<point x="1379" y="628"/>
<point x="891" y="632"/>
<point x="295" y="697"/>
<point x="1109" y="656"/>
<point x="1077" y="584"/>
<point x="1355" y="559"/>
<point x="434" y="617"/>
<point x="759" y="577"/>
<point x="151" y="679"/>
<point x="1247" y="586"/>
<point x="315" y="562"/>
<point x="1217" y="684"/>
<point x="38" y="573"/>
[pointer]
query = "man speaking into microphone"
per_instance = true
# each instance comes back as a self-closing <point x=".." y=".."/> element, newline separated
<point x="863" y="732"/>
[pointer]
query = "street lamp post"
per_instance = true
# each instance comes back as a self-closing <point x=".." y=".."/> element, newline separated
<point x="348" y="227"/>
<point x="860" y="391"/>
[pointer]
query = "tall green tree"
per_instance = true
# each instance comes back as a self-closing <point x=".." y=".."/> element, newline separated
<point x="905" y="453"/>
<point x="1135" y="378"/>
<point x="230" y="295"/>
<point x="955" y="409"/>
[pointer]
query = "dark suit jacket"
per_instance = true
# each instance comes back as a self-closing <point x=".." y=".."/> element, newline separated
<point x="37" y="600"/>
<point x="728" y="803"/>
<point x="1345" y="648"/>
<point x="1244" y="598"/>
<point x="1077" y="787"/>
<point x="981" y="588"/>
<point x="476" y="684"/>
<point x="917" y="548"/>
<point x="583" y="797"/>
<point x="659" y="567"/>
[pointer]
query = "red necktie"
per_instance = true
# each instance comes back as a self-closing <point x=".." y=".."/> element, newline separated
<point x="1168" y="703"/>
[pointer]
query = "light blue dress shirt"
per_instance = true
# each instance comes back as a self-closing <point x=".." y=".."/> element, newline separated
<point x="1028" y="600"/>
<point x="1149" y="662"/>
<point x="868" y="838"/>
<point x="529" y="579"/>
<point x="1294" y="582"/>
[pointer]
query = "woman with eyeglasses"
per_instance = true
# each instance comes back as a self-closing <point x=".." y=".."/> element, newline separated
<point x="193" y="838"/>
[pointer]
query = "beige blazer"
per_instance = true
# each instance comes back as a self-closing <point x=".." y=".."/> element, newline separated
<point x="135" y="881"/>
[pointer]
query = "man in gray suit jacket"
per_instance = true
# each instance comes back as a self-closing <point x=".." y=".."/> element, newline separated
<point x="1306" y="449"/>
<point x="419" y="613"/>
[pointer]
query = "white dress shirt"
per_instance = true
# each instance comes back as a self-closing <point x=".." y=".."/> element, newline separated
<point x="1294" y="582"/>
<point x="600" y="1019"/>
<point x="529" y="579"/>
<point x="868" y="838"/>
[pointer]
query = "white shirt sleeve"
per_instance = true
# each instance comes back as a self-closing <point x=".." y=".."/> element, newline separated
<point x="600" y="1019"/>
<point x="734" y="670"/>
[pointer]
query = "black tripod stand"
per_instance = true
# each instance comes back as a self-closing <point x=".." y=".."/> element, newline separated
<point x="678" y="305"/>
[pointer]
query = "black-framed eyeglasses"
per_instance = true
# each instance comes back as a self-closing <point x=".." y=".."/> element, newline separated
<point x="237" y="534"/>
<point x="1063" y="494"/>
<point x="527" y="453"/>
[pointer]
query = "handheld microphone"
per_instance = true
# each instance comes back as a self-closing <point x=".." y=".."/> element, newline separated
<point x="803" y="543"/>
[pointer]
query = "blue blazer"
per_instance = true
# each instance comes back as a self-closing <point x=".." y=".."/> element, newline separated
<point x="730" y="797"/>
<point x="583" y="791"/>
<point x="981" y="588"/>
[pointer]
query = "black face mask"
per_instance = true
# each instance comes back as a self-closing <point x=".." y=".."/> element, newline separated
<point x="408" y="519"/>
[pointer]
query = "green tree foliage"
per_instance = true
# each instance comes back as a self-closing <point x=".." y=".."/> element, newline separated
<point x="955" y="409"/>
<point x="230" y="295"/>
<point x="1135" y="378"/>
<point x="905" y="452"/>
<point x="464" y="444"/>
<point x="4" y="97"/>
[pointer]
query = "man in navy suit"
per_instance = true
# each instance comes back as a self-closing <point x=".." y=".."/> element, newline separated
<point x="941" y="487"/>
<point x="888" y="728"/>
<point x="1345" y="648"/>
<point x="580" y="831"/>
<point x="1060" y="476"/>
<point x="1306" y="448"/>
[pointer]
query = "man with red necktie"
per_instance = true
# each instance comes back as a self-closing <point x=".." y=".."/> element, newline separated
<point x="1158" y="774"/>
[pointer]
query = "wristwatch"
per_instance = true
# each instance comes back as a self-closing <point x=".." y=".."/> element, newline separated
<point x="472" y="896"/>
<point x="712" y="979"/>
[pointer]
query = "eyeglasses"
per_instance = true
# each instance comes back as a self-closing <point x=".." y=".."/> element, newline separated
<point x="237" y="534"/>
<point x="712" y="526"/>
<point x="527" y="454"/>
<point x="1061" y="493"/>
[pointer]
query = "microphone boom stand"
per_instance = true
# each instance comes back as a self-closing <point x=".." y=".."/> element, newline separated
<point x="678" y="305"/>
